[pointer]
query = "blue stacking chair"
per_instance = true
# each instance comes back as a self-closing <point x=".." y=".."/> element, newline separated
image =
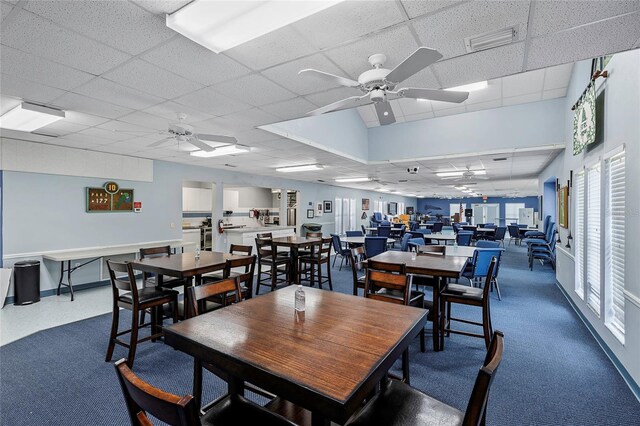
<point x="404" y="243"/>
<point x="414" y="243"/>
<point x="354" y="233"/>
<point x="498" y="235"/>
<point x="487" y="244"/>
<point x="375" y="220"/>
<point x="384" y="231"/>
<point x="544" y="251"/>
<point x="437" y="227"/>
<point x="413" y="225"/>
<point x="539" y="234"/>
<point x="480" y="266"/>
<point x="373" y="246"/>
<point x="340" y="251"/>
<point x="514" y="233"/>
<point x="464" y="238"/>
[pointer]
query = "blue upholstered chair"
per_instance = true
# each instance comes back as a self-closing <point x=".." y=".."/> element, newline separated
<point x="404" y="243"/>
<point x="498" y="235"/>
<point x="540" y="234"/>
<point x="340" y="251"/>
<point x="487" y="244"/>
<point x="542" y="253"/>
<point x="514" y="234"/>
<point x="375" y="220"/>
<point x="437" y="227"/>
<point x="384" y="231"/>
<point x="354" y="233"/>
<point x="414" y="243"/>
<point x="480" y="266"/>
<point x="373" y="246"/>
<point x="464" y="238"/>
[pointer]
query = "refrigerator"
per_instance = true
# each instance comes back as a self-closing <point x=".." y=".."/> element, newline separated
<point x="525" y="216"/>
<point x="291" y="216"/>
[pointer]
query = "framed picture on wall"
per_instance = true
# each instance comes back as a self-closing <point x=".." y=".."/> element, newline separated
<point x="319" y="208"/>
<point x="393" y="208"/>
<point x="563" y="207"/>
<point x="328" y="206"/>
<point x="365" y="204"/>
<point x="310" y="213"/>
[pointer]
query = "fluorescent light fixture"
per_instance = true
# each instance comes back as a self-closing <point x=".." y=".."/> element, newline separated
<point x="302" y="168"/>
<point x="479" y="172"/>
<point x="357" y="179"/>
<point x="221" y="25"/>
<point x="411" y="195"/>
<point x="467" y="191"/>
<point x="491" y="39"/>
<point x="384" y="190"/>
<point x="223" y="150"/>
<point x="449" y="174"/>
<point x="28" y="117"/>
<point x="422" y="100"/>
<point x="472" y="87"/>
<point x="460" y="187"/>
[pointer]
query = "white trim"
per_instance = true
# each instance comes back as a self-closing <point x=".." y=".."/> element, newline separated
<point x="615" y="151"/>
<point x="632" y="298"/>
<point x="566" y="253"/>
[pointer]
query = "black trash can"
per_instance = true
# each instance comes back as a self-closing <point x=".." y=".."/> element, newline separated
<point x="26" y="282"/>
<point x="310" y="227"/>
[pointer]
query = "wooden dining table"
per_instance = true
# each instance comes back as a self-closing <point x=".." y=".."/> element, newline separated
<point x="446" y="237"/>
<point x="295" y="243"/>
<point x="432" y="264"/>
<point x="326" y="359"/>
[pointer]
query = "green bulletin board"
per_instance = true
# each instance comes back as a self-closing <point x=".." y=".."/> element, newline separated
<point x="110" y="198"/>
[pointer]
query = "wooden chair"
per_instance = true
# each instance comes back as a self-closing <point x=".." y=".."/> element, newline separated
<point x="464" y="295"/>
<point x="312" y="264"/>
<point x="123" y="279"/>
<point x="278" y="264"/>
<point x="305" y="251"/>
<point x="142" y="398"/>
<point x="401" y="405"/>
<point x="356" y="257"/>
<point x="237" y="249"/>
<point x="243" y="268"/>
<point x="394" y="288"/>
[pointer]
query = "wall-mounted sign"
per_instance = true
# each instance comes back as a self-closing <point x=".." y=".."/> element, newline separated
<point x="110" y="198"/>
<point x="137" y="206"/>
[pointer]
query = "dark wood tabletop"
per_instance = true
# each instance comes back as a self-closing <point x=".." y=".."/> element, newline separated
<point x="295" y="241"/>
<point x="327" y="360"/>
<point x="184" y="265"/>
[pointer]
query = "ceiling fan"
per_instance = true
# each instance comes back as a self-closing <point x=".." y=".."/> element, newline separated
<point x="379" y="85"/>
<point x="182" y="132"/>
<point x="467" y="175"/>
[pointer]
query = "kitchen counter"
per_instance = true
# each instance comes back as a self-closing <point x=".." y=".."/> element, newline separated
<point x="247" y="236"/>
<point x="268" y="228"/>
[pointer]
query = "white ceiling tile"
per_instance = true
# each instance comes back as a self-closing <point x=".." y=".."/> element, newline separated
<point x="162" y="7"/>
<point x="144" y="119"/>
<point x="554" y="16"/>
<point x="254" y="90"/>
<point x="289" y="109"/>
<point x="28" y="90"/>
<point x="119" y="126"/>
<point x="368" y="113"/>
<point x="481" y="66"/>
<point x="77" y="140"/>
<point x="118" y="24"/>
<point x="348" y="21"/>
<point x="448" y="111"/>
<point x="25" y="136"/>
<point x="8" y="103"/>
<point x="332" y="95"/>
<point x="271" y="49"/>
<point x="115" y="93"/>
<point x="497" y="103"/>
<point x="36" y="35"/>
<point x="413" y="106"/>
<point x="62" y="127"/>
<point x="397" y="44"/>
<point x="558" y="77"/>
<point x="424" y="78"/>
<point x="588" y="41"/>
<point x="169" y="110"/>
<point x="492" y="92"/>
<point x="523" y="83"/>
<point x="255" y="136"/>
<point x="421" y="116"/>
<point x="5" y="9"/>
<point x="105" y="134"/>
<point x="445" y="31"/>
<point x="418" y="8"/>
<point x="151" y="79"/>
<point x="211" y="102"/>
<point x="82" y="118"/>
<point x="523" y="99"/>
<point x="33" y="68"/>
<point x="554" y="93"/>
<point x="194" y="62"/>
<point x="119" y="148"/>
<point x="80" y="103"/>
<point x="287" y="74"/>
<point x="246" y="119"/>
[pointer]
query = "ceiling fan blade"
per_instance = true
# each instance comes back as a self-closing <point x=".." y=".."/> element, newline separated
<point x="199" y="144"/>
<point x="160" y="142"/>
<point x="385" y="113"/>
<point x="351" y="102"/>
<point x="418" y="60"/>
<point x="217" y="138"/>
<point x="331" y="78"/>
<point x="434" y="94"/>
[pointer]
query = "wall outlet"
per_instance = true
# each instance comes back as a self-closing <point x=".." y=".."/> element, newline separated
<point x="172" y="225"/>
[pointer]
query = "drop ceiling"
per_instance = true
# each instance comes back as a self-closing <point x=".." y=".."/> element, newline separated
<point x="122" y="76"/>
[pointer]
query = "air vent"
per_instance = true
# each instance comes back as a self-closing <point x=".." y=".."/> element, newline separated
<point x="500" y="159"/>
<point x="490" y="40"/>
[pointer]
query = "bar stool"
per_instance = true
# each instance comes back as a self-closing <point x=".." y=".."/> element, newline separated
<point x="320" y="256"/>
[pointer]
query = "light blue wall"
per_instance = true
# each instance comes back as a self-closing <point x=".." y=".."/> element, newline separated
<point x="549" y="200"/>
<point x="533" y="124"/>
<point x="341" y="132"/>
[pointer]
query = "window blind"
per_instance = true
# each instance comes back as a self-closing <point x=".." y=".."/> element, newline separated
<point x="337" y="208"/>
<point x="593" y="238"/>
<point x="579" y="233"/>
<point x="614" y="245"/>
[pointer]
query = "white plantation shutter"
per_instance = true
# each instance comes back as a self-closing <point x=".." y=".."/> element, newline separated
<point x="593" y="238"/>
<point x="579" y="233"/>
<point x="614" y="245"/>
<point x="353" y="224"/>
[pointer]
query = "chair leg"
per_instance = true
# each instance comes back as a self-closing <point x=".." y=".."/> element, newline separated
<point x="134" y="338"/>
<point x="329" y="276"/>
<point x="341" y="262"/>
<point x="495" y="280"/>
<point x="197" y="382"/>
<point x="443" y="312"/>
<point x="422" y="344"/>
<point x="274" y="276"/>
<point x="405" y="367"/>
<point x="115" y="317"/>
<point x="486" y="326"/>
<point x="259" y="278"/>
<point x="335" y="257"/>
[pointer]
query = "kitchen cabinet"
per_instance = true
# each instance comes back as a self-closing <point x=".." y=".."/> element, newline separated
<point x="196" y="200"/>
<point x="192" y="236"/>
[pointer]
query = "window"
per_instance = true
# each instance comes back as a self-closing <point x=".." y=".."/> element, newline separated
<point x="614" y="245"/>
<point x="345" y="214"/>
<point x="579" y="233"/>
<point x="512" y="212"/>
<point x="593" y="238"/>
<point x="380" y="206"/>
<point x="401" y="209"/>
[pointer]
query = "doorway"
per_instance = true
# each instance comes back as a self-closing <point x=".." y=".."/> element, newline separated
<point x="486" y="213"/>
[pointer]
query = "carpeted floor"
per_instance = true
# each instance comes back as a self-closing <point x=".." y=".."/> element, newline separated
<point x="553" y="371"/>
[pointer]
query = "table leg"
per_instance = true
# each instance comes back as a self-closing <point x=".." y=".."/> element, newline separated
<point x="436" y="314"/>
<point x="318" y="419"/>
<point x="293" y="270"/>
<point x="68" y="283"/>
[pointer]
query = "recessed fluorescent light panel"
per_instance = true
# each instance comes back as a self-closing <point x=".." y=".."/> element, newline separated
<point x="303" y="168"/>
<point x="357" y="179"/>
<point x="384" y="190"/>
<point x="28" y="117"/>
<point x="473" y="87"/>
<point x="449" y="174"/>
<point x="223" y="150"/>
<point x="221" y="25"/>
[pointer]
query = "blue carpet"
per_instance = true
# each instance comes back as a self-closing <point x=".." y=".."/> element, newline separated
<point x="553" y="371"/>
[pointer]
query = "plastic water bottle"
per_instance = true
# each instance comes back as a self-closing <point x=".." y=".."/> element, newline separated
<point x="197" y="252"/>
<point x="300" y="299"/>
<point x="455" y="246"/>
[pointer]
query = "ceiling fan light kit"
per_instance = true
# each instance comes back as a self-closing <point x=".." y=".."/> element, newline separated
<point x="351" y="180"/>
<point x="301" y="168"/>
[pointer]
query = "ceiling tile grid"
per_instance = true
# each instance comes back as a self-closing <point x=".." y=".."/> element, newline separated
<point x="99" y="88"/>
<point x="254" y="90"/>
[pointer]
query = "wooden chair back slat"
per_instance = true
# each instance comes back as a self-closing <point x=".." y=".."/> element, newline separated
<point x="314" y="234"/>
<point x="240" y="249"/>
<point x="398" y="268"/>
<point x="249" y="265"/>
<point x="122" y="278"/>
<point x="398" y="283"/>
<point x="155" y="251"/>
<point x="216" y="288"/>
